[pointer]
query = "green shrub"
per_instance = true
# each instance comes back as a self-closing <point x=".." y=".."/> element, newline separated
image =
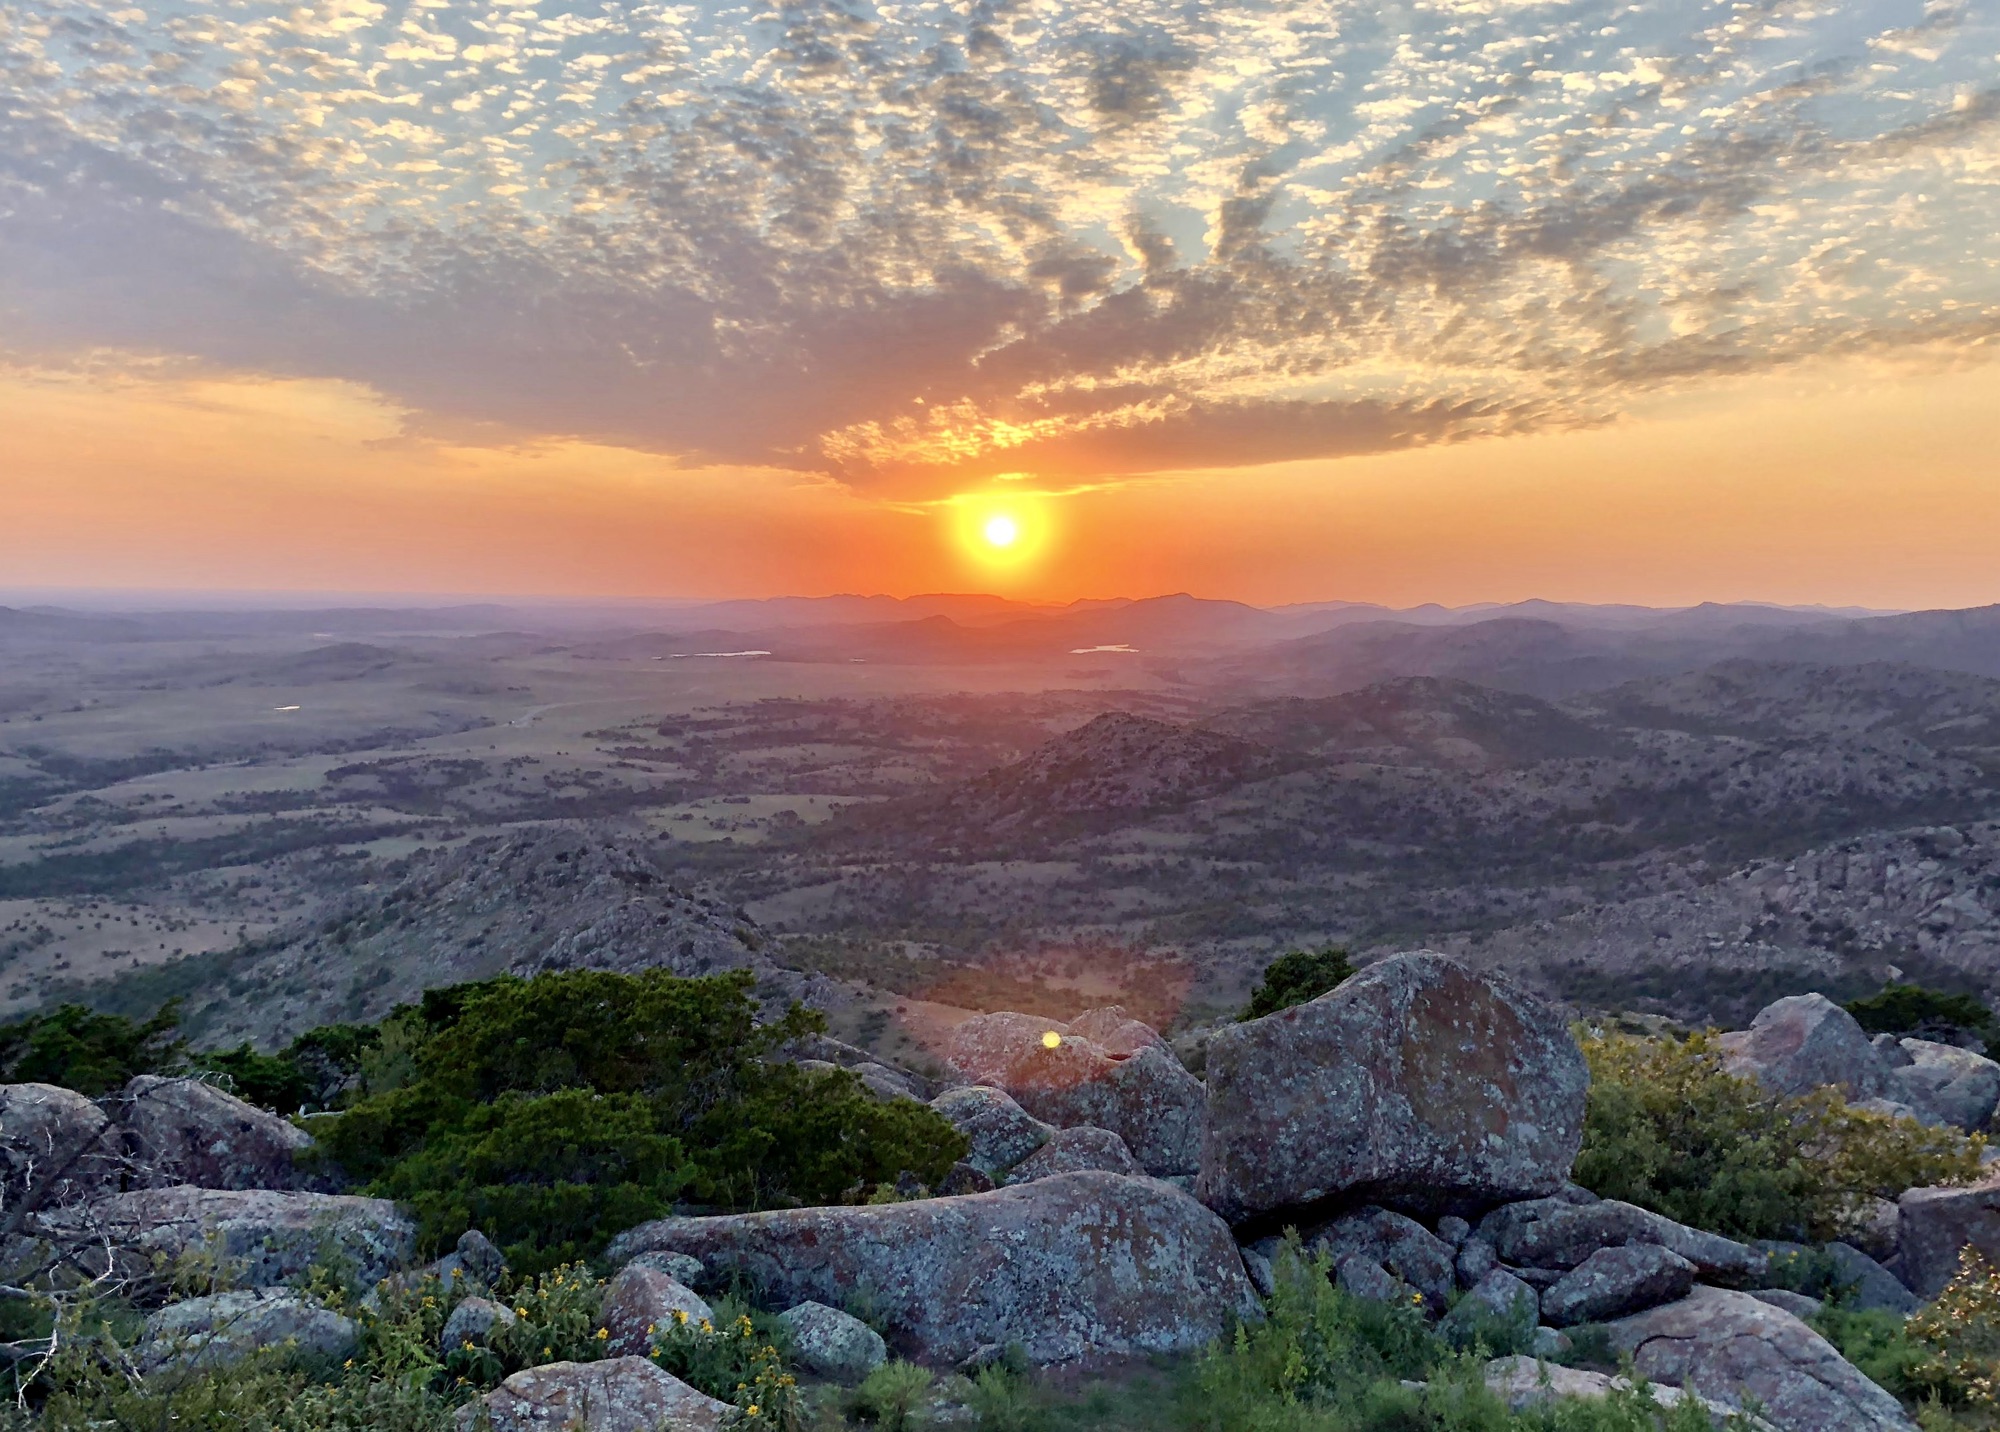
<point x="1668" y="1127"/>
<point x="271" y="1080"/>
<point x="1297" y="977"/>
<point x="1878" y="1342"/>
<point x="892" y="1397"/>
<point x="1911" y="1010"/>
<point x="552" y="1112"/>
<point x="89" y="1052"/>
<point x="1959" y="1336"/>
<point x="739" y="1362"/>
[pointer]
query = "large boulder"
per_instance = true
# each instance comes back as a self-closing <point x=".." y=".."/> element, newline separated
<point x="1001" y="1131"/>
<point x="1115" y="1032"/>
<point x="1937" y="1222"/>
<point x="1957" y="1086"/>
<point x="620" y="1394"/>
<point x="1418" y="1082"/>
<point x="1553" y="1233"/>
<point x="639" y="1299"/>
<point x="1499" y="1308"/>
<point x="1866" y="1285"/>
<point x="1398" y="1243"/>
<point x="1614" y="1281"/>
<point x="1525" y="1382"/>
<point x="1073" y="1151"/>
<point x="1733" y="1349"/>
<point x="56" y="1147"/>
<point x="268" y="1237"/>
<point x="1806" y="1042"/>
<point x="185" y="1131"/>
<point x="1068" y="1267"/>
<point x="830" y="1343"/>
<point x="1144" y="1096"/>
<point x="228" y="1327"/>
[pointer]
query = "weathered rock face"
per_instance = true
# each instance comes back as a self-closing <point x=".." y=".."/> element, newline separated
<point x="1805" y="1042"/>
<point x="1956" y="1085"/>
<point x="830" y="1343"/>
<point x="1550" y="1233"/>
<point x="1145" y="1097"/>
<point x="269" y="1236"/>
<point x="639" y="1299"/>
<point x="620" y="1394"/>
<point x="684" y="1270"/>
<point x="474" y="1321"/>
<point x="54" y="1143"/>
<point x="1069" y="1267"/>
<point x="185" y="1131"/>
<point x="1401" y="1245"/>
<point x="1731" y="1348"/>
<point x="1614" y="1281"/>
<point x="1363" y="1277"/>
<point x="1499" y="1303"/>
<point x="1075" y="1151"/>
<point x="1114" y="1031"/>
<point x="226" y="1328"/>
<point x="1937" y="1222"/>
<point x="1866" y="1284"/>
<point x="1001" y="1131"/>
<point x="1418" y="1082"/>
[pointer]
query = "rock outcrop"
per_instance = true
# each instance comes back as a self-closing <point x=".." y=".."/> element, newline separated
<point x="830" y="1343"/>
<point x="1615" y="1281"/>
<point x="1936" y="1223"/>
<point x="1955" y="1085"/>
<point x="268" y="1237"/>
<point x="183" y="1131"/>
<point x="228" y="1327"/>
<point x="1553" y="1233"/>
<point x="1144" y="1096"/>
<point x="1807" y="1042"/>
<point x="56" y="1146"/>
<point x="1001" y="1131"/>
<point x="1735" y="1350"/>
<point x="1397" y="1243"/>
<point x="639" y="1299"/>
<point x="620" y="1394"/>
<point x="1069" y="1267"/>
<point x="1075" y="1151"/>
<point x="1419" y="1083"/>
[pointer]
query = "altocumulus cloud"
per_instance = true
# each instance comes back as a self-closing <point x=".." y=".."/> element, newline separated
<point x="905" y="243"/>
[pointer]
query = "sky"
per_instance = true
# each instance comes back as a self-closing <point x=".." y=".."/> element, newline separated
<point x="1457" y="301"/>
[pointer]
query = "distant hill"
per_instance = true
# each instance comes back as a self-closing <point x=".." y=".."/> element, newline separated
<point x="1420" y="720"/>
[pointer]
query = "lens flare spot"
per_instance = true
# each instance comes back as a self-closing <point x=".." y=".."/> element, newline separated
<point x="1051" y="1040"/>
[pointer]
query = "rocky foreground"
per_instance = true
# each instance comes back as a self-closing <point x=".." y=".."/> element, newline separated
<point x="1416" y="1126"/>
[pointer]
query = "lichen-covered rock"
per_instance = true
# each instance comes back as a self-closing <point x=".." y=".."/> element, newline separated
<point x="473" y="1322"/>
<point x="1936" y="1223"/>
<point x="1614" y="1281"/>
<point x="963" y="1177"/>
<point x="1418" y="1082"/>
<point x="1145" y="1097"/>
<point x="639" y="1299"/>
<point x="228" y="1327"/>
<point x="684" y="1270"/>
<point x="1866" y="1285"/>
<point x="830" y="1343"/>
<point x="1524" y="1382"/>
<point x="1362" y="1277"/>
<point x="1550" y="1233"/>
<point x="1115" y="1032"/>
<point x="1074" y="1151"/>
<point x="620" y="1394"/>
<point x="1959" y="1087"/>
<point x="1735" y="1350"/>
<point x="1499" y="1305"/>
<point x="1400" y="1244"/>
<point x="183" y="1131"/>
<point x="1069" y="1266"/>
<point x="1797" y="1304"/>
<point x="56" y="1146"/>
<point x="1805" y="1042"/>
<point x="1475" y="1259"/>
<point x="268" y="1237"/>
<point x="1001" y="1131"/>
<point x="473" y="1259"/>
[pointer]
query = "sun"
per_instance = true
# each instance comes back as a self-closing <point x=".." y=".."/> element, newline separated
<point x="1001" y="531"/>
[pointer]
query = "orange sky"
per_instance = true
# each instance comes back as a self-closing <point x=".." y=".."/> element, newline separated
<point x="1858" y="483"/>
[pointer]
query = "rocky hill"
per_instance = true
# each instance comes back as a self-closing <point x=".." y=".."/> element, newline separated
<point x="546" y="898"/>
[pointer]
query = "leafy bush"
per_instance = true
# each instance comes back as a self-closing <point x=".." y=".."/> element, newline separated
<point x="741" y="1362"/>
<point x="554" y="1111"/>
<point x="89" y="1052"/>
<point x="1297" y="977"/>
<point x="892" y="1397"/>
<point x="1959" y="1335"/>
<point x="1878" y="1342"/>
<point x="1912" y="1010"/>
<point x="1668" y="1127"/>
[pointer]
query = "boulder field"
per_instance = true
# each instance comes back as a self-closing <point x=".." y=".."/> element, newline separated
<point x="1417" y="1126"/>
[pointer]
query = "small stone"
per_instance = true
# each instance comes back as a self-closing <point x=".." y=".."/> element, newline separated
<point x="963" y="1177"/>
<point x="1547" y="1342"/>
<point x="1368" y="1280"/>
<point x="832" y="1344"/>
<point x="1614" y="1281"/>
<point x="1475" y="1260"/>
<point x="474" y="1321"/>
<point x="640" y="1300"/>
<point x="1453" y="1229"/>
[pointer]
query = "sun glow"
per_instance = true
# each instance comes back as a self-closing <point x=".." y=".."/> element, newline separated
<point x="1005" y="533"/>
<point x="1002" y="530"/>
